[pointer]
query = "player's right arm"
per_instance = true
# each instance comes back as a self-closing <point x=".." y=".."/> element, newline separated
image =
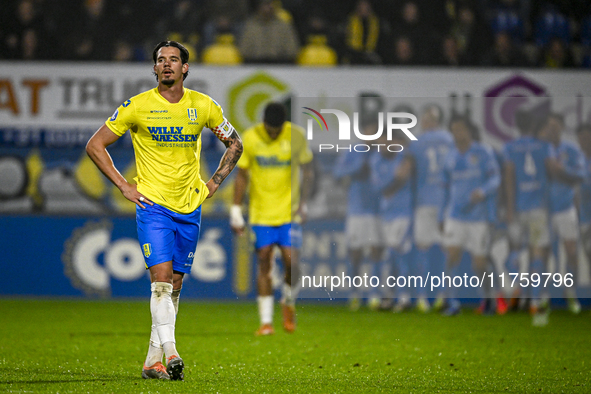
<point x="96" y="148"/>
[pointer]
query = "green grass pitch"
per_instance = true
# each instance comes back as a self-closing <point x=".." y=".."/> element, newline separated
<point x="99" y="346"/>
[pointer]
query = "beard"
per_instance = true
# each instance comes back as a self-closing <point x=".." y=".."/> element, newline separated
<point x="168" y="82"/>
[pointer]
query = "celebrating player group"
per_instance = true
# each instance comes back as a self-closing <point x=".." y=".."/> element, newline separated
<point x="449" y="189"/>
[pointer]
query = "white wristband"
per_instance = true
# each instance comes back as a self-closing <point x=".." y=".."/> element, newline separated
<point x="236" y="218"/>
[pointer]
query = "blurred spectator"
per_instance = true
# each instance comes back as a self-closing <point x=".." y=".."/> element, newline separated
<point x="504" y="53"/>
<point x="586" y="31"/>
<point x="551" y="23"/>
<point x="124" y="51"/>
<point x="181" y="23"/>
<point x="231" y="12"/>
<point x="404" y="52"/>
<point x="223" y="52"/>
<point x="268" y="39"/>
<point x="421" y="37"/>
<point x="449" y="54"/>
<point x="365" y="36"/>
<point x="281" y="12"/>
<point x="471" y="34"/>
<point x="556" y="55"/>
<point x="510" y="16"/>
<point x="22" y="32"/>
<point x="91" y="28"/>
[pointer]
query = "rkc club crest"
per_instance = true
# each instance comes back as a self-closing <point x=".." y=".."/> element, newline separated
<point x="192" y="114"/>
<point x="147" y="249"/>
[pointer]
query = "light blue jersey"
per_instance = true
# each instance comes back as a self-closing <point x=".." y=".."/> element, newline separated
<point x="429" y="153"/>
<point x="466" y="172"/>
<point x="383" y="169"/>
<point x="495" y="201"/>
<point x="362" y="199"/>
<point x="585" y="190"/>
<point x="562" y="195"/>
<point x="529" y="155"/>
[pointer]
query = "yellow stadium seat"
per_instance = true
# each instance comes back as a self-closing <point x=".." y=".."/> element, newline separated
<point x="35" y="168"/>
<point x="223" y="53"/>
<point x="317" y="53"/>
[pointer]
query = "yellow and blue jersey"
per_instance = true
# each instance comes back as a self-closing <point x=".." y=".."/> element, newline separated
<point x="274" y="168"/>
<point x="167" y="143"/>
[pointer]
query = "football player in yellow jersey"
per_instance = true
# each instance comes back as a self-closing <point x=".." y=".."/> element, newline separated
<point x="165" y="125"/>
<point x="273" y="153"/>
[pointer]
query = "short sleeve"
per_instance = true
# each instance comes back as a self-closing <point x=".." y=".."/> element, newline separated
<point x="123" y="119"/>
<point x="217" y="123"/>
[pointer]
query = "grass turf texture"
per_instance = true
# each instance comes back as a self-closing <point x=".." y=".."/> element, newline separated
<point x="95" y="346"/>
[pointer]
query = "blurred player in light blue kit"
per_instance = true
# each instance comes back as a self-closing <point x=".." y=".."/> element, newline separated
<point x="395" y="208"/>
<point x="362" y="225"/>
<point x="423" y="162"/>
<point x="563" y="214"/>
<point x="528" y="163"/>
<point x="584" y="137"/>
<point x="471" y="177"/>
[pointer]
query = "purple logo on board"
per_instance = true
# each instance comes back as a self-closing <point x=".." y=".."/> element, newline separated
<point x="504" y="99"/>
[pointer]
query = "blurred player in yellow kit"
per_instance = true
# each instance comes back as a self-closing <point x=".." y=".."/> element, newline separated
<point x="274" y="151"/>
<point x="165" y="124"/>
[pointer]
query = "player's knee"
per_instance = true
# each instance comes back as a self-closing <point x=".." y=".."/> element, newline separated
<point x="479" y="263"/>
<point x="161" y="273"/>
<point x="264" y="267"/>
<point x="377" y="252"/>
<point x="356" y="254"/>
<point x="454" y="255"/>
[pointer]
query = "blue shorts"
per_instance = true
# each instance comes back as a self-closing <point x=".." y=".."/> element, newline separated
<point x="288" y="235"/>
<point x="165" y="235"/>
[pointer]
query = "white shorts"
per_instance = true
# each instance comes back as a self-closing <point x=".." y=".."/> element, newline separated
<point x="363" y="231"/>
<point x="533" y="225"/>
<point x="565" y="224"/>
<point x="426" y="226"/>
<point x="396" y="234"/>
<point x="473" y="237"/>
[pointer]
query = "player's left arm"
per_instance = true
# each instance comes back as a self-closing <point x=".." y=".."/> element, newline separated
<point x="233" y="152"/>
<point x="226" y="133"/>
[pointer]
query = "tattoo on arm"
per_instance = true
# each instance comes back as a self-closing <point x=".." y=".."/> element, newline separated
<point x="229" y="159"/>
